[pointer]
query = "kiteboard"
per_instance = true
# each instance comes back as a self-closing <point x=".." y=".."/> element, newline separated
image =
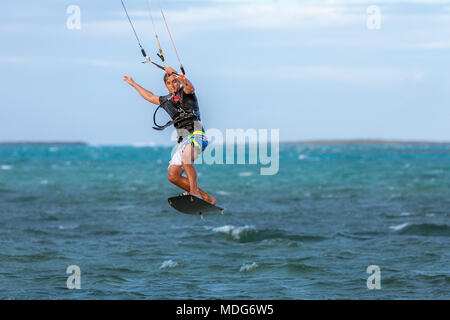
<point x="190" y="204"/>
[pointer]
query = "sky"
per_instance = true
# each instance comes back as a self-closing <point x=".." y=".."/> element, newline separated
<point x="312" y="69"/>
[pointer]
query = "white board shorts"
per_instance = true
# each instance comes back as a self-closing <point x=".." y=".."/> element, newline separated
<point x="197" y="139"/>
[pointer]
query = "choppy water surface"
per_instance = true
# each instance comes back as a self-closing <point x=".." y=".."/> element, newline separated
<point x="309" y="232"/>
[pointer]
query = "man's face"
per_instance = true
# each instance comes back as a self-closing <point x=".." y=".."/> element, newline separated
<point x="172" y="84"/>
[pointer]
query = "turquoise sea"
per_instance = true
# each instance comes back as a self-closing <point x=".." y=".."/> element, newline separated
<point x="308" y="232"/>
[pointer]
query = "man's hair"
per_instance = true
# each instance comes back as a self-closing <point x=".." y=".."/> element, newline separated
<point x="166" y="76"/>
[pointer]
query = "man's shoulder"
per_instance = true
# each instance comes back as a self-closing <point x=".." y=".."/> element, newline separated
<point x="164" y="99"/>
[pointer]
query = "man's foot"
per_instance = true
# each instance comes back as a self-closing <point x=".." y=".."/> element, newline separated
<point x="204" y="196"/>
<point x="209" y="199"/>
<point x="197" y="194"/>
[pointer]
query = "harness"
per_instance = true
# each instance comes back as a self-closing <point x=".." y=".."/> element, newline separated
<point x="182" y="119"/>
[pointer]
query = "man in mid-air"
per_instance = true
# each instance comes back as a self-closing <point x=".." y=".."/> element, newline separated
<point x="182" y="106"/>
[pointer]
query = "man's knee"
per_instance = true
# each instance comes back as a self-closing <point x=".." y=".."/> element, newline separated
<point x="174" y="175"/>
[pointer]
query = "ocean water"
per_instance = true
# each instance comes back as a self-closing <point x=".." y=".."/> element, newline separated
<point x="308" y="232"/>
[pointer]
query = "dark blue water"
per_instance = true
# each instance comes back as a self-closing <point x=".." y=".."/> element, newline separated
<point x="308" y="232"/>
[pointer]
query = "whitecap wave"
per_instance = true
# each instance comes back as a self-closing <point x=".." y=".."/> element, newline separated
<point x="234" y="232"/>
<point x="5" y="167"/>
<point x="248" y="267"/>
<point x="168" y="264"/>
<point x="399" y="227"/>
<point x="223" y="193"/>
<point x="69" y="227"/>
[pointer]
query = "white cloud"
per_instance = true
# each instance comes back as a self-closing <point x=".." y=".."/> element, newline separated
<point x="269" y="15"/>
<point x="379" y="2"/>
<point x="11" y="59"/>
<point x="429" y="45"/>
<point x="266" y="16"/>
<point x="65" y="61"/>
<point x="359" y="75"/>
<point x="333" y="2"/>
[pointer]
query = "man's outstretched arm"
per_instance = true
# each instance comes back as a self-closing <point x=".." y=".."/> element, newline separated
<point x="147" y="95"/>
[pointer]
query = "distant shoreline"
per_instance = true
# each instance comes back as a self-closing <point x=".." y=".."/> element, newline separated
<point x="43" y="143"/>
<point x="285" y="143"/>
<point x="365" y="142"/>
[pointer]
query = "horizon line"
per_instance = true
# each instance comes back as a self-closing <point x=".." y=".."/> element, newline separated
<point x="358" y="141"/>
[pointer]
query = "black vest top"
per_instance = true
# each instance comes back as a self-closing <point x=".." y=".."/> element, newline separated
<point x="182" y="105"/>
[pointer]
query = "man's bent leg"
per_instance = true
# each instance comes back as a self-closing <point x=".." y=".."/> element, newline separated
<point x="175" y="176"/>
<point x="187" y="160"/>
